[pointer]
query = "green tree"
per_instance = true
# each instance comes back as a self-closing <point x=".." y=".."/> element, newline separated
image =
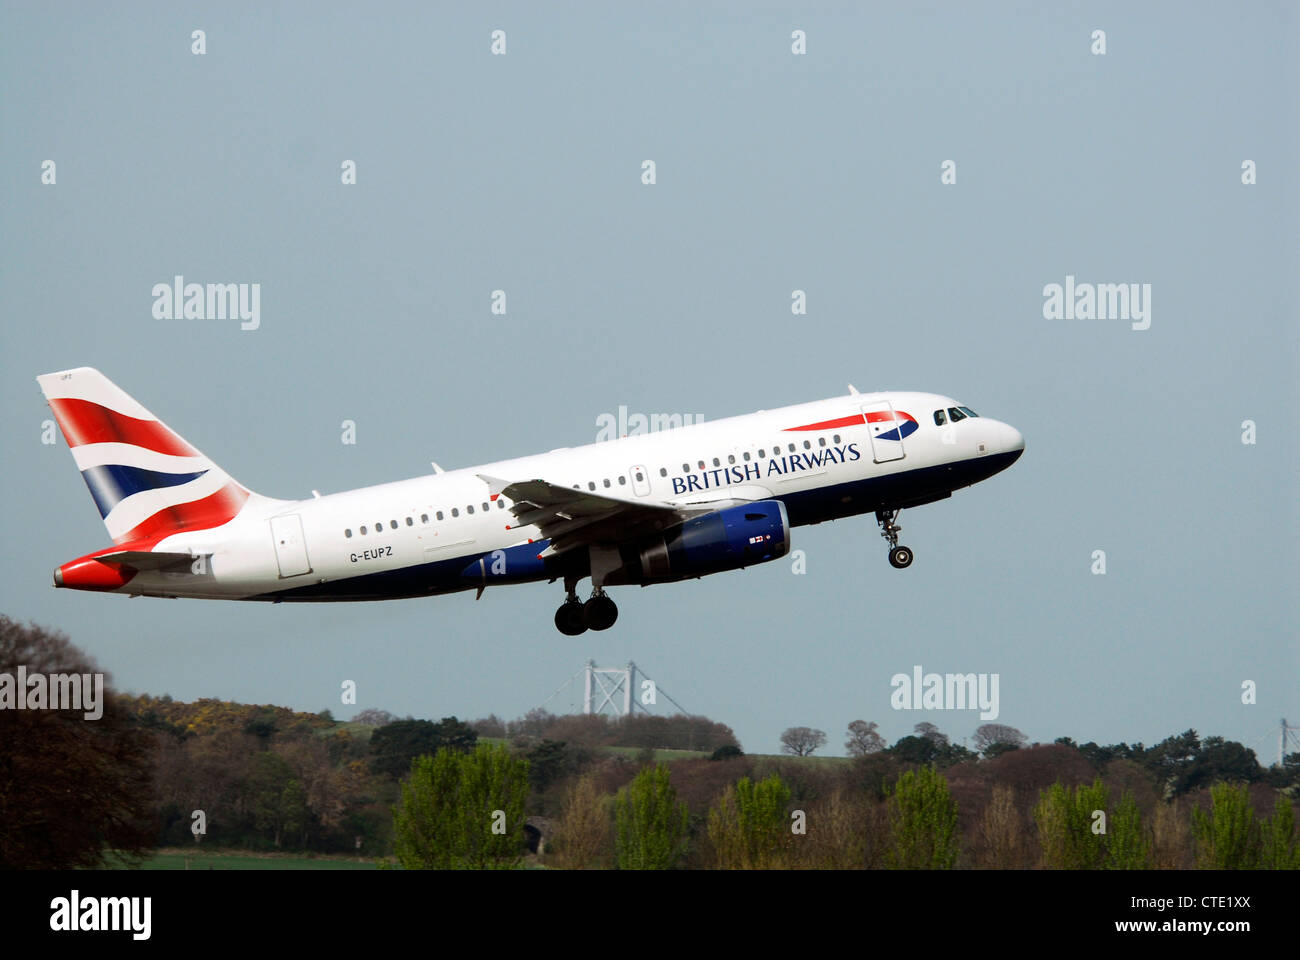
<point x="1127" y="845"/>
<point x="748" y="826"/>
<point x="276" y="798"/>
<point x="651" y="824"/>
<point x="394" y="745"/>
<point x="922" y="823"/>
<point x="1278" y="850"/>
<point x="1067" y="827"/>
<point x="1227" y="838"/>
<point x="462" y="811"/>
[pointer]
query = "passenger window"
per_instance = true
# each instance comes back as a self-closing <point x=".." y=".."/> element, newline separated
<point x="663" y="471"/>
<point x="439" y="514"/>
<point x="807" y="444"/>
<point x="701" y="464"/>
<point x="821" y="441"/>
<point x="591" y="484"/>
<point x="424" y="518"/>
<point x="761" y="453"/>
<point x="469" y="508"/>
<point x="410" y="522"/>
<point x="939" y="418"/>
<point x="746" y="456"/>
<point x="455" y="511"/>
<point x="954" y="414"/>
<point x="836" y="438"/>
<point x="717" y="462"/>
<point x="622" y="480"/>
<point x="501" y="504"/>
<point x="363" y="531"/>
<point x="686" y="468"/>
<point x="485" y="508"/>
<point x="379" y="526"/>
<point x="606" y="483"/>
<point x="792" y="448"/>
<point x="348" y="533"/>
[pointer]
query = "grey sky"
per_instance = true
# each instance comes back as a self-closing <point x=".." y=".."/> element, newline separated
<point x="775" y="172"/>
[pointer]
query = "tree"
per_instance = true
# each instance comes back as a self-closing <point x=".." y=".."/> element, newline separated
<point x="1065" y="821"/>
<point x="651" y="824"/>
<point x="922" y="823"/>
<point x="462" y="811"/>
<point x="749" y="826"/>
<point x="1128" y="847"/>
<point x="863" y="739"/>
<point x="990" y="734"/>
<point x="802" y="741"/>
<point x="374" y="717"/>
<point x="394" y="746"/>
<point x="582" y="836"/>
<point x="1228" y="837"/>
<point x="490" y="726"/>
<point x="728" y="751"/>
<point x="1000" y="833"/>
<point x="930" y="732"/>
<point x="276" y="798"/>
<point x="73" y="792"/>
<point x="1278" y="850"/>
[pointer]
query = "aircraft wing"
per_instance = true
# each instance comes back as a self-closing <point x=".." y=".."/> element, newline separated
<point x="575" y="518"/>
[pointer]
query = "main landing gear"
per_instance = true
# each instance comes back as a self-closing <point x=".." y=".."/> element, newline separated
<point x="899" y="557"/>
<point x="575" y="617"/>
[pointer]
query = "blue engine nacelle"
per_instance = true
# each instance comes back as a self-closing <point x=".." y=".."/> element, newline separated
<point x="723" y="540"/>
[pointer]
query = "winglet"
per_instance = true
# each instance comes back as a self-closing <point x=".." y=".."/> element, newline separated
<point x="853" y="391"/>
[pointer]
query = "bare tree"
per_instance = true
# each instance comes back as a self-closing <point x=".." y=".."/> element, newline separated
<point x="990" y="733"/>
<point x="930" y="732"/>
<point x="802" y="741"/>
<point x="374" y="717"/>
<point x="863" y="739"/>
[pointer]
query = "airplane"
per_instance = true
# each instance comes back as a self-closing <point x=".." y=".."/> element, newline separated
<point x="645" y="509"/>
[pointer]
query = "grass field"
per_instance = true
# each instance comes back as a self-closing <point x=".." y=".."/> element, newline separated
<point x="173" y="858"/>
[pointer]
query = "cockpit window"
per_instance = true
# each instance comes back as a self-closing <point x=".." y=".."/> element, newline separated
<point x="956" y="414"/>
<point x="939" y="418"/>
<point x="968" y="411"/>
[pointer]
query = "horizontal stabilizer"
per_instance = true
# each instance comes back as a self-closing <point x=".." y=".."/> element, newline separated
<point x="149" y="560"/>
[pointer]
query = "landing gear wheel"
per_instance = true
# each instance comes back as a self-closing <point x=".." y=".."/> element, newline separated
<point x="571" y="618"/>
<point x="899" y="557"/>
<point x="600" y="611"/>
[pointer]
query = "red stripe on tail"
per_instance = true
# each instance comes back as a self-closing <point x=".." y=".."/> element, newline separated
<point x="85" y="422"/>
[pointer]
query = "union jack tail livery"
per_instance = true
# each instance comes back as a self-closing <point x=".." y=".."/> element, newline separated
<point x="145" y="479"/>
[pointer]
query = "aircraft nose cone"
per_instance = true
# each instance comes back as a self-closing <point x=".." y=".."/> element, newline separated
<point x="1013" y="441"/>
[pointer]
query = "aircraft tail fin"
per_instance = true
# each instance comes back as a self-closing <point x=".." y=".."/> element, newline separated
<point x="145" y="479"/>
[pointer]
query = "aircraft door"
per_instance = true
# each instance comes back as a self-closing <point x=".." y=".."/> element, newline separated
<point x="640" y="481"/>
<point x="290" y="546"/>
<point x="885" y="428"/>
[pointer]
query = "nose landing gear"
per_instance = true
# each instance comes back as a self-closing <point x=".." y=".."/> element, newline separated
<point x="899" y="557"/>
